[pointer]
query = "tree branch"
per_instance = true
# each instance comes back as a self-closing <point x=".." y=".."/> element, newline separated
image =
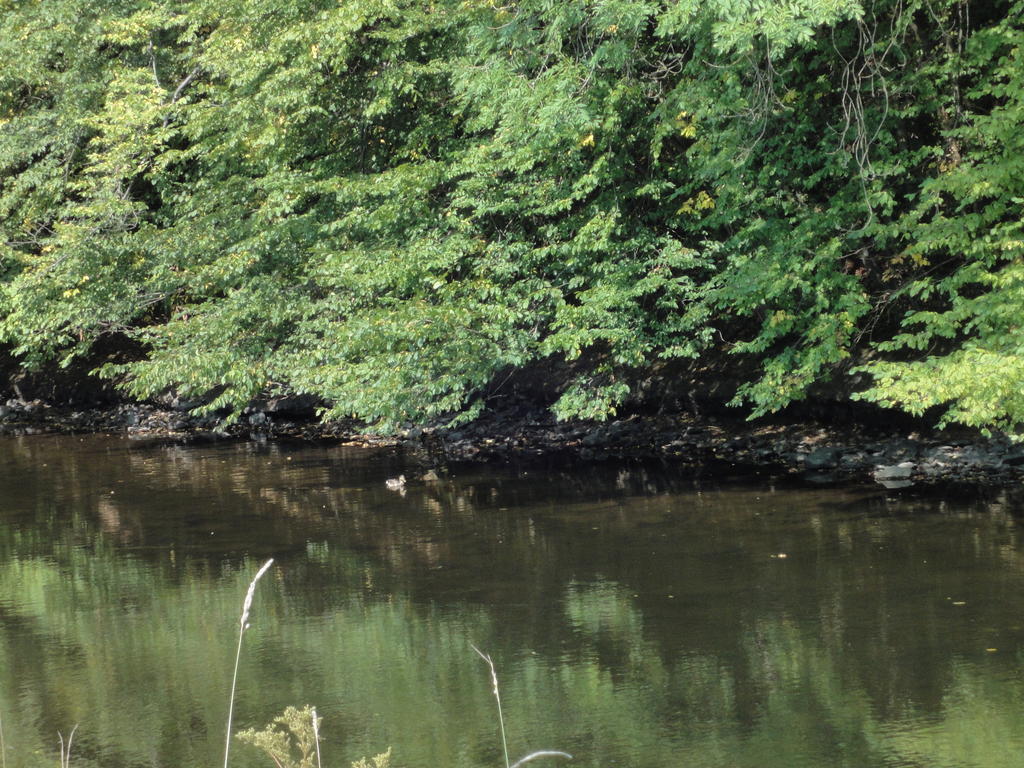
<point x="181" y="87"/>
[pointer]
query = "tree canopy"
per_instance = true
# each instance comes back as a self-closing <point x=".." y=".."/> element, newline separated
<point x="394" y="204"/>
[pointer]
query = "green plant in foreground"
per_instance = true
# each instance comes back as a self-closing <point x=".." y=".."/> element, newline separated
<point x="383" y="760"/>
<point x="292" y="741"/>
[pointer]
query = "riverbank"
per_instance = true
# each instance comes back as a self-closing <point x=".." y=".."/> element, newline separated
<point x="893" y="455"/>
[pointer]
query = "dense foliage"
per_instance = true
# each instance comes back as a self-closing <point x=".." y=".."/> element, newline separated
<point x="393" y="205"/>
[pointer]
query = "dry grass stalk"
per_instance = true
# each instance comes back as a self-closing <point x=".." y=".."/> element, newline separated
<point x="501" y="721"/>
<point x="316" y="737"/>
<point x="497" y="696"/>
<point x="540" y="753"/>
<point x="65" y="749"/>
<point x="242" y="626"/>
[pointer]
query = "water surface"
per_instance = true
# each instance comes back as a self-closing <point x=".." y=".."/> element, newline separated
<point x="637" y="615"/>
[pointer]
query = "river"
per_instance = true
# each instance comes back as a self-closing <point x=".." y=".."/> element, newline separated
<point x="637" y="615"/>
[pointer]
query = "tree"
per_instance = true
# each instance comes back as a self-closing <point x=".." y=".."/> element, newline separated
<point x="394" y="205"/>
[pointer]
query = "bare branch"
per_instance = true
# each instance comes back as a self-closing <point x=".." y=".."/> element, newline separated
<point x="181" y="87"/>
<point x="152" y="63"/>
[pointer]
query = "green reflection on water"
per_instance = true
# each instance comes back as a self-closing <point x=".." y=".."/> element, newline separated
<point x="637" y="617"/>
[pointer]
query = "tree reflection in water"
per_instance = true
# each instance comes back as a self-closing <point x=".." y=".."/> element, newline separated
<point x="638" y="615"/>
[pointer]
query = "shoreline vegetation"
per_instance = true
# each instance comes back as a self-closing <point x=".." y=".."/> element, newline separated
<point x="408" y="210"/>
<point x="896" y="454"/>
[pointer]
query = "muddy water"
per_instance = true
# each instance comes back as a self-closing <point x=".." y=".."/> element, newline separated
<point x="636" y="615"/>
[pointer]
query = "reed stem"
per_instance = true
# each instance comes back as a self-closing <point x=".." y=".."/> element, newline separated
<point x="242" y="625"/>
<point x="65" y="749"/>
<point x="316" y="737"/>
<point x="497" y="696"/>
